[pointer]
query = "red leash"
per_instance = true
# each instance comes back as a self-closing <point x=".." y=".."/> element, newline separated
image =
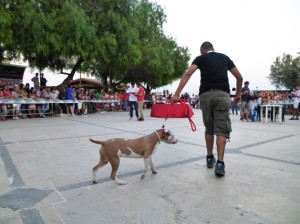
<point x="193" y="126"/>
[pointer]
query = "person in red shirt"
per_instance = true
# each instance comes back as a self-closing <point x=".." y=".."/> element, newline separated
<point x="140" y="100"/>
<point x="124" y="102"/>
<point x="4" y="94"/>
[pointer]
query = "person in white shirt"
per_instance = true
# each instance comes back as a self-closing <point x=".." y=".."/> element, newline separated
<point x="132" y="100"/>
<point x="46" y="94"/>
<point x="296" y="99"/>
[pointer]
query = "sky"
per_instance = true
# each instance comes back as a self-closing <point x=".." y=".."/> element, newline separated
<point x="251" y="32"/>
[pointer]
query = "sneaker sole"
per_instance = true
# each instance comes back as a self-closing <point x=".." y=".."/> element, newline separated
<point x="219" y="173"/>
<point x="210" y="166"/>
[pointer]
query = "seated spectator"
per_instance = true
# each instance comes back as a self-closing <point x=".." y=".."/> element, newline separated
<point x="24" y="95"/>
<point x="39" y="106"/>
<point x="98" y="95"/>
<point x="32" y="107"/>
<point x="47" y="95"/>
<point x="16" y="106"/>
<point x="4" y="93"/>
<point x="55" y="107"/>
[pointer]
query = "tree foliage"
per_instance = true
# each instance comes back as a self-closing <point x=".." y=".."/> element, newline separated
<point x="285" y="71"/>
<point x="117" y="40"/>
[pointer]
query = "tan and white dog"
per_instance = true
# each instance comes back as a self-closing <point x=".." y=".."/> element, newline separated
<point x="143" y="147"/>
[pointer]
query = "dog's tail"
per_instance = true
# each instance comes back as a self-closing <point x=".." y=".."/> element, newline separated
<point x="97" y="142"/>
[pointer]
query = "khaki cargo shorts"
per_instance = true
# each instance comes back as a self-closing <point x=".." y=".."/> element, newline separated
<point x="245" y="105"/>
<point x="215" y="106"/>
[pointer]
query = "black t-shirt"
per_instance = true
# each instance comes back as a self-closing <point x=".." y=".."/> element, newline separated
<point x="246" y="97"/>
<point x="214" y="67"/>
<point x="43" y="81"/>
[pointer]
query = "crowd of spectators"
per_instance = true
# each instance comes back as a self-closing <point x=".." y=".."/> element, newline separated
<point x="119" y="101"/>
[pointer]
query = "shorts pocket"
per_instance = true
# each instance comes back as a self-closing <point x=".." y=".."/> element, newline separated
<point x="224" y="105"/>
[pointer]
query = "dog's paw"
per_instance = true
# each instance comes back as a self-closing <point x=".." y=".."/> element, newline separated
<point x="120" y="182"/>
<point x="95" y="182"/>
<point x="154" y="172"/>
<point x="143" y="176"/>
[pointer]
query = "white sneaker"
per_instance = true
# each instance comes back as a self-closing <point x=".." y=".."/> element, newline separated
<point x="14" y="118"/>
<point x="17" y="118"/>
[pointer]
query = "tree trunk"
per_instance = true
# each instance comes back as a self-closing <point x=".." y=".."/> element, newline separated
<point x="61" y="87"/>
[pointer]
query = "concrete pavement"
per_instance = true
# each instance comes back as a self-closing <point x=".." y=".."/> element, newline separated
<point x="45" y="173"/>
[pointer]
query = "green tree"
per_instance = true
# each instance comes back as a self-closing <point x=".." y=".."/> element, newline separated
<point x="117" y="40"/>
<point x="49" y="34"/>
<point x="7" y="48"/>
<point x="138" y="50"/>
<point x="285" y="71"/>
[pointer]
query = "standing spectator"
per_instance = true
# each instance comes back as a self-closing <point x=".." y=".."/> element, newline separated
<point x="70" y="95"/>
<point x="79" y="97"/>
<point x="234" y="105"/>
<point x="133" y="91"/>
<point x="92" y="104"/>
<point x="125" y="101"/>
<point x="140" y="100"/>
<point x="43" y="81"/>
<point x="245" y="105"/>
<point x="296" y="98"/>
<point x="153" y="98"/>
<point x="16" y="106"/>
<point x="36" y="80"/>
<point x="214" y="99"/>
<point x="194" y="100"/>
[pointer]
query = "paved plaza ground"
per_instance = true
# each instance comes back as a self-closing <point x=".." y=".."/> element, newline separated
<point x="46" y="164"/>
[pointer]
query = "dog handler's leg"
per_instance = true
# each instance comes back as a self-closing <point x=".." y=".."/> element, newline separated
<point x="152" y="167"/>
<point x="147" y="164"/>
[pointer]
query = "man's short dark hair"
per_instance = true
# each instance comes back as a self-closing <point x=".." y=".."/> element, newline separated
<point x="132" y="83"/>
<point x="207" y="45"/>
<point x="246" y="82"/>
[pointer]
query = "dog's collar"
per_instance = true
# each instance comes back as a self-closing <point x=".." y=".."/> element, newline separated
<point x="158" y="137"/>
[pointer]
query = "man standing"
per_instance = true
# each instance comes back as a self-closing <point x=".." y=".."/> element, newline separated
<point x="296" y="103"/>
<point x="43" y="81"/>
<point x="36" y="80"/>
<point x="132" y="103"/>
<point x="245" y="105"/>
<point x="70" y="95"/>
<point x="214" y="99"/>
<point x="140" y="101"/>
